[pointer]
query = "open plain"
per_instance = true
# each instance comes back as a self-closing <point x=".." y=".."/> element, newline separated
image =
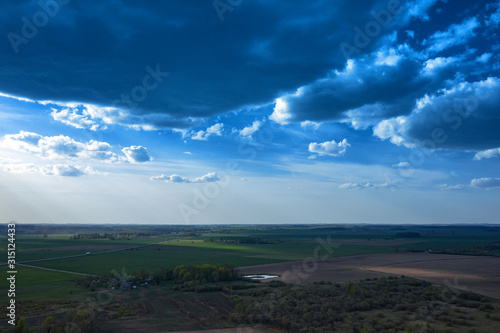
<point x="469" y="273"/>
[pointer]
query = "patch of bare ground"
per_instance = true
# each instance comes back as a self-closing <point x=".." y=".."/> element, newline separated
<point x="234" y="330"/>
<point x="165" y="313"/>
<point x="472" y="273"/>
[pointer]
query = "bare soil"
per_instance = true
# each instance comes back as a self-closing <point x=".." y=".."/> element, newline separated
<point x="233" y="330"/>
<point x="472" y="273"/>
<point x="162" y="310"/>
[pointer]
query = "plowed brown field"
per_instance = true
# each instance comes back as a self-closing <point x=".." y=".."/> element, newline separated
<point x="473" y="273"/>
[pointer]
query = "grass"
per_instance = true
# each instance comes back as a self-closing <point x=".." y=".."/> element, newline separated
<point x="153" y="258"/>
<point x="45" y="254"/>
<point x="289" y="251"/>
<point x="175" y="310"/>
<point x="295" y="243"/>
<point x="39" y="284"/>
<point x="199" y="252"/>
<point x="29" y="242"/>
<point x="27" y="276"/>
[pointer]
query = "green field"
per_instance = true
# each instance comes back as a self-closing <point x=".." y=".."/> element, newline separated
<point x="38" y="284"/>
<point x="288" y="243"/>
<point x="185" y="252"/>
<point x="38" y="288"/>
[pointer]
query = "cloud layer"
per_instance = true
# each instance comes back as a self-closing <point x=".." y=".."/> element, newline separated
<point x="171" y="80"/>
<point x="360" y="186"/>
<point x="64" y="147"/>
<point x="463" y="116"/>
<point x="208" y="178"/>
<point x="63" y="170"/>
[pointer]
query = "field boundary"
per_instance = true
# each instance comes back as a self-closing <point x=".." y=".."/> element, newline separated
<point x="56" y="270"/>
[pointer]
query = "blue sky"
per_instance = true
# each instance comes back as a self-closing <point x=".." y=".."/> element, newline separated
<point x="238" y="111"/>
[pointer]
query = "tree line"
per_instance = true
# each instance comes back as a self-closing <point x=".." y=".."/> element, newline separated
<point x="117" y="235"/>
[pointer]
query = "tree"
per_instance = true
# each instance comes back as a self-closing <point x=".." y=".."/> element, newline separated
<point x="21" y="326"/>
<point x="47" y="325"/>
<point x="351" y="288"/>
<point x="143" y="274"/>
<point x="168" y="274"/>
<point x="83" y="319"/>
<point x="157" y="276"/>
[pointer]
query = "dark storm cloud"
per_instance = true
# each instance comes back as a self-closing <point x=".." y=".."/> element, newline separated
<point x="463" y="117"/>
<point x="389" y="81"/>
<point x="388" y="90"/>
<point x="95" y="53"/>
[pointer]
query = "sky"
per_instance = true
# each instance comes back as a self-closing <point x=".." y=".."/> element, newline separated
<point x="249" y="111"/>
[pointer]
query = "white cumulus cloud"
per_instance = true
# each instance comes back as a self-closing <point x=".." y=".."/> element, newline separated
<point x="393" y="129"/>
<point x="330" y="148"/>
<point x="136" y="154"/>
<point x="310" y="124"/>
<point x="440" y="62"/>
<point x="212" y="130"/>
<point x="281" y="115"/>
<point x="489" y="153"/>
<point x="76" y="117"/>
<point x="464" y="116"/>
<point x="250" y="130"/>
<point x="401" y="165"/>
<point x="59" y="147"/>
<point x="486" y="183"/>
<point x="64" y="147"/>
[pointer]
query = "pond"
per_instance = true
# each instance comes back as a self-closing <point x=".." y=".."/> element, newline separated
<point x="261" y="276"/>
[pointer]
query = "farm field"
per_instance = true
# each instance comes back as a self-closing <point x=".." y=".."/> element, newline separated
<point x="37" y="284"/>
<point x="234" y="330"/>
<point x="480" y="275"/>
<point x="300" y="255"/>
